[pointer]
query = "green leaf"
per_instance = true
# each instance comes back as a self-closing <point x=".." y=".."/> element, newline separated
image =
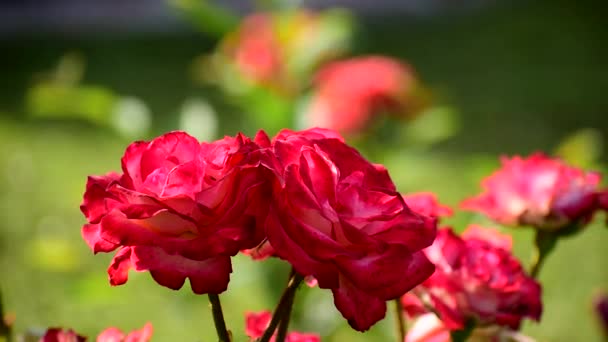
<point x="582" y="148"/>
<point x="207" y="17"/>
<point x="464" y="333"/>
<point x="433" y="125"/>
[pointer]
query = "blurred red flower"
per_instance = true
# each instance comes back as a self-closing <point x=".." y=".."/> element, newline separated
<point x="349" y="92"/>
<point x="116" y="335"/>
<point x="256" y="324"/>
<point x="109" y="335"/>
<point x="61" y="335"/>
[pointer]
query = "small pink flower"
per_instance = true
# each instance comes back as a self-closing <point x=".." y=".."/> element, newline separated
<point x="538" y="191"/>
<point x="62" y="335"/>
<point x="339" y="218"/>
<point x="256" y="324"/>
<point x="426" y="203"/>
<point x="350" y="92"/>
<point x="115" y="335"/>
<point x="179" y="210"/>
<point x="478" y="278"/>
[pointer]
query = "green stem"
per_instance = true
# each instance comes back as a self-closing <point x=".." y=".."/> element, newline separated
<point x="218" y="318"/>
<point x="399" y="320"/>
<point x="284" y="322"/>
<point x="283" y="310"/>
<point x="544" y="243"/>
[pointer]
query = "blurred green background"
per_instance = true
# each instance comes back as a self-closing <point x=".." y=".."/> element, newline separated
<point x="514" y="77"/>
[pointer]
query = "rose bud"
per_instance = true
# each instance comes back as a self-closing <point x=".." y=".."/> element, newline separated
<point x="179" y="210"/>
<point x="539" y="191"/>
<point x="337" y="217"/>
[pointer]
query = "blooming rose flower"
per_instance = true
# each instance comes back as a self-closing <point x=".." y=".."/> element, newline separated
<point x="349" y="92"/>
<point x="116" y="335"/>
<point x="256" y="324"/>
<point x="179" y="210"/>
<point x="477" y="278"/>
<point x="538" y="191"/>
<point x="61" y="335"/>
<point x="338" y="217"/>
<point x="426" y="203"/>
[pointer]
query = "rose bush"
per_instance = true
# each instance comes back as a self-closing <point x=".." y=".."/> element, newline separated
<point x="179" y="210"/>
<point x="538" y="191"/>
<point x="338" y="217"/>
<point x="477" y="278"/>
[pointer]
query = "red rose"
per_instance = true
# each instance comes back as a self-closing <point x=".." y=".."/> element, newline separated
<point x="349" y="92"/>
<point x="477" y="278"/>
<point x="538" y="191"/>
<point x="256" y="324"/>
<point x="338" y="217"/>
<point x="179" y="210"/>
<point x="425" y="203"/>
<point x="116" y="335"/>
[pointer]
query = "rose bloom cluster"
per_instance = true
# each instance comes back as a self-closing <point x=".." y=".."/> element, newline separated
<point x="181" y="209"/>
<point x="477" y="280"/>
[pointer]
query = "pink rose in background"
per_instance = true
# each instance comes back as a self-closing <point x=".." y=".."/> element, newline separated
<point x="256" y="324"/>
<point x="116" y="335"/>
<point x="426" y="203"/>
<point x="62" y="335"/>
<point x="179" y="210"/>
<point x="538" y="191"/>
<point x="350" y="92"/>
<point x="255" y="50"/>
<point x="478" y="278"/>
<point x="338" y="217"/>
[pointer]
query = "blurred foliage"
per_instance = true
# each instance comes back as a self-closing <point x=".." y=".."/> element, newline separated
<point x="498" y="79"/>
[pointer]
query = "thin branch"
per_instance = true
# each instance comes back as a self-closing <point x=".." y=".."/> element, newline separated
<point x="218" y="318"/>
